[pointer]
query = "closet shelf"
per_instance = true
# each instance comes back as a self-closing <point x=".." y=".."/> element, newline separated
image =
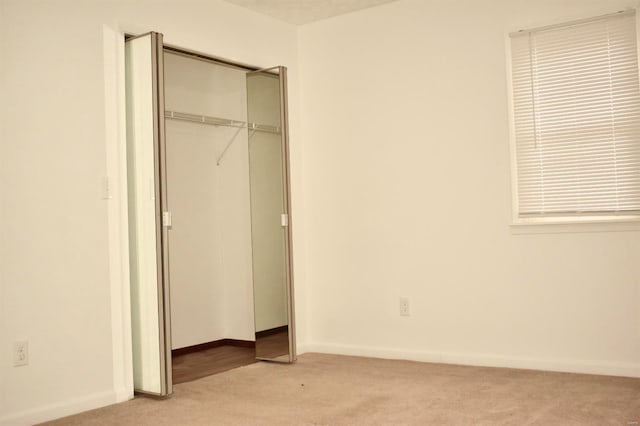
<point x="217" y="121"/>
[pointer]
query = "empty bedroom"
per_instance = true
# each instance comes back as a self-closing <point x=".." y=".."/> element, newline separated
<point x="355" y="212"/>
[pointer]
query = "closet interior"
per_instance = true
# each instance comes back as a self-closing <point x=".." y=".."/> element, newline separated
<point x="225" y="194"/>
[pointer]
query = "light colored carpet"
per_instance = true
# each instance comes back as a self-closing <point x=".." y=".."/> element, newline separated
<point x="339" y="390"/>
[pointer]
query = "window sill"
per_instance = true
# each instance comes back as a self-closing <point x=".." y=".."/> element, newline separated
<point x="575" y="224"/>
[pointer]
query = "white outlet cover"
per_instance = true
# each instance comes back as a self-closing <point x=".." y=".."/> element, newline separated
<point x="405" y="307"/>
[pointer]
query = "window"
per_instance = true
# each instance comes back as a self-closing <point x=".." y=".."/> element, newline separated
<point x="576" y="119"/>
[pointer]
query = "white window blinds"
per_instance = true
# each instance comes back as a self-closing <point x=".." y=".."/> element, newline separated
<point x="576" y="109"/>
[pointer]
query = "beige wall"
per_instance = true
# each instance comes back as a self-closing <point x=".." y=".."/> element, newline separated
<point x="58" y="285"/>
<point x="406" y="135"/>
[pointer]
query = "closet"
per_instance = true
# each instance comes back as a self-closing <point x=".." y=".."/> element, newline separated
<point x="209" y="231"/>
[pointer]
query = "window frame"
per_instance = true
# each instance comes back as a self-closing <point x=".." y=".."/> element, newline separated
<point x="562" y="220"/>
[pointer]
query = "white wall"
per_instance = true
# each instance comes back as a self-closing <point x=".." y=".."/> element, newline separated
<point x="54" y="253"/>
<point x="405" y="123"/>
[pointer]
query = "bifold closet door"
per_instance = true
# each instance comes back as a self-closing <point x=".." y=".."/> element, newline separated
<point x="150" y="321"/>
<point x="270" y="223"/>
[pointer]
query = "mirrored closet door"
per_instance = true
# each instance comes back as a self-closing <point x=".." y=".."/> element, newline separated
<point x="149" y="283"/>
<point x="266" y="114"/>
<point x="214" y="220"/>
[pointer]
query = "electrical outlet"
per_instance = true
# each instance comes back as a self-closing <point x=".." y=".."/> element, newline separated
<point x="404" y="307"/>
<point x="105" y="188"/>
<point x="20" y="353"/>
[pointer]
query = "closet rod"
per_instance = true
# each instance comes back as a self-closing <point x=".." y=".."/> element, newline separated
<point x="217" y="121"/>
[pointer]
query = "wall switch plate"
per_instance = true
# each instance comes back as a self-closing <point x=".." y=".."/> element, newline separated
<point x="404" y="307"/>
<point x="20" y="353"/>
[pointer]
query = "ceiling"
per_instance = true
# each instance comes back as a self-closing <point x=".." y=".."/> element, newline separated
<point x="305" y="11"/>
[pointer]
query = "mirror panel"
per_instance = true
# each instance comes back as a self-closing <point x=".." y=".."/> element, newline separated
<point x="266" y="114"/>
<point x="143" y="77"/>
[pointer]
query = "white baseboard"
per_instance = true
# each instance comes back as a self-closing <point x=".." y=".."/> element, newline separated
<point x="485" y="360"/>
<point x="61" y="409"/>
<point x="123" y="394"/>
<point x="302" y="348"/>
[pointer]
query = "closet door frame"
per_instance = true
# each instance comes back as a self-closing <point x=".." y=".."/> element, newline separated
<point x="163" y="216"/>
<point x="286" y="173"/>
<point x="284" y="114"/>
